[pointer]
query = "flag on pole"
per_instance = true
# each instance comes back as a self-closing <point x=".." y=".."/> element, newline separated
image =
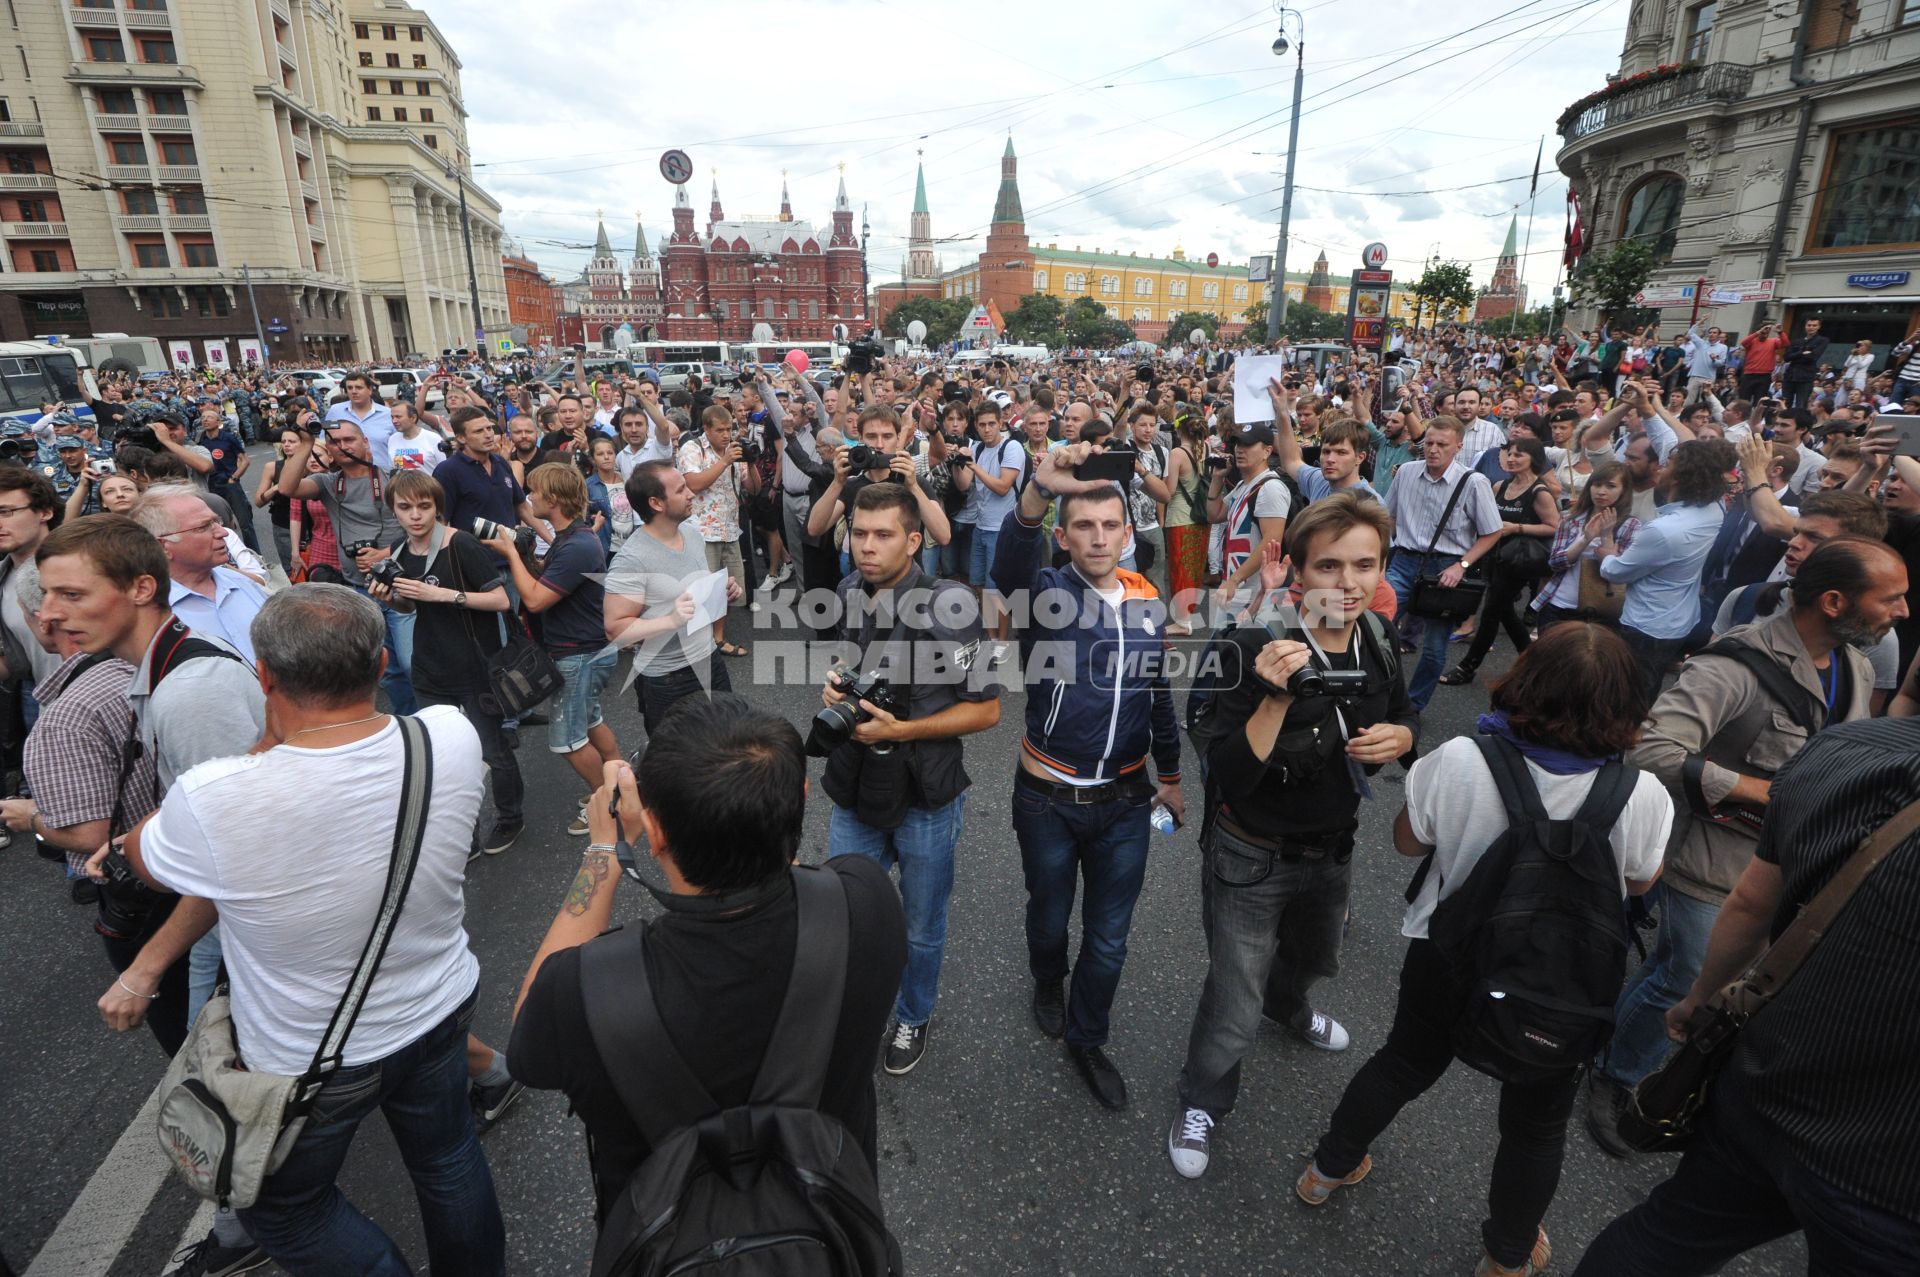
<point x="1540" y="150"/>
<point x="1576" y="232"/>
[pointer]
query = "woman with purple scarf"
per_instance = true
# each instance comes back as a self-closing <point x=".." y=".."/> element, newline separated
<point x="1571" y="704"/>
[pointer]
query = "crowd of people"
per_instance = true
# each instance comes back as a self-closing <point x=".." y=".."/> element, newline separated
<point x="1708" y="580"/>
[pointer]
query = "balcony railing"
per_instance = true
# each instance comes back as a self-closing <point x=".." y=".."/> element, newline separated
<point x="147" y="18"/>
<point x="23" y="128"/>
<point x="316" y="232"/>
<point x="117" y="123"/>
<point x="129" y="173"/>
<point x="35" y="230"/>
<point x="137" y="222"/>
<point x="179" y="172"/>
<point x="189" y="222"/>
<point x="26" y="181"/>
<point x="310" y="191"/>
<point x="169" y="124"/>
<point x="286" y="54"/>
<point x="1715" y="82"/>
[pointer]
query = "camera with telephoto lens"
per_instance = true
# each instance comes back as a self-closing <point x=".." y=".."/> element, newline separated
<point x="125" y="901"/>
<point x="833" y="725"/>
<point x="16" y="452"/>
<point x="861" y="352"/>
<point x="863" y="457"/>
<point x="386" y="572"/>
<point x="486" y="529"/>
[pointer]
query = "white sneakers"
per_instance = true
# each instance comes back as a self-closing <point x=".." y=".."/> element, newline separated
<point x="1189" y="1142"/>
<point x="1324" y="1032"/>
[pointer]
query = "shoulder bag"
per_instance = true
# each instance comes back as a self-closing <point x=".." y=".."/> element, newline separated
<point x="520" y="675"/>
<point x="225" y="1127"/>
<point x="1662" y="1115"/>
<point x="1445" y="602"/>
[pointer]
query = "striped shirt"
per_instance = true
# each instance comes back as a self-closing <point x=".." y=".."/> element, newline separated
<point x="1829" y="1065"/>
<point x="1417" y="499"/>
<point x="73" y="754"/>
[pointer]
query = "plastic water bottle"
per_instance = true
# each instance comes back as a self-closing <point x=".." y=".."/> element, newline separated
<point x="1162" y="819"/>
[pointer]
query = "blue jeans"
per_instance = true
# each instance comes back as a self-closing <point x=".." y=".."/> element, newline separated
<point x="397" y="682"/>
<point x="203" y="972"/>
<point x="923" y="848"/>
<point x="1735" y="1190"/>
<point x="1104" y="844"/>
<point x="307" y="1224"/>
<point x="1640" y="1039"/>
<point x="980" y="556"/>
<point x="1402" y="572"/>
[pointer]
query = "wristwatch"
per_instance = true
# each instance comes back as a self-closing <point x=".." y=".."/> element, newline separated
<point x="460" y="598"/>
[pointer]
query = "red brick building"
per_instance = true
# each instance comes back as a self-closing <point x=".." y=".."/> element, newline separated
<point x="533" y="302"/>
<point x="1320" y="284"/>
<point x="719" y="282"/>
<point x="611" y="299"/>
<point x="1505" y="293"/>
<point x="1006" y="264"/>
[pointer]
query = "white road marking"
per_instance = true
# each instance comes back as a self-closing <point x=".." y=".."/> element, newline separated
<point x="103" y="1218"/>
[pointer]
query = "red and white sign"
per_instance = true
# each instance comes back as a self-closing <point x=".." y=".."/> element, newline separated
<point x="216" y="354"/>
<point x="1666" y="295"/>
<point x="1749" y="290"/>
<point x="1374" y="255"/>
<point x="1213" y="259"/>
<point x="182" y="352"/>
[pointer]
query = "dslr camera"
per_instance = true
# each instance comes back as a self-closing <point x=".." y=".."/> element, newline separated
<point x="863" y="457"/>
<point x="833" y="725"/>
<point x="386" y="572"/>
<point x="750" y="447"/>
<point x="861" y="352"/>
<point x="125" y="901"/>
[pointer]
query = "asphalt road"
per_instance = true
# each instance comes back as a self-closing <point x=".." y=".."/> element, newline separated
<point x="994" y="1157"/>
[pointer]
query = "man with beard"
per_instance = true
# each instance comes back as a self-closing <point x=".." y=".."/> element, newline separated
<point x="1741" y="708"/>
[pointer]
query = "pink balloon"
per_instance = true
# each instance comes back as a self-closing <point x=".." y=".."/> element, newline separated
<point x="798" y="361"/>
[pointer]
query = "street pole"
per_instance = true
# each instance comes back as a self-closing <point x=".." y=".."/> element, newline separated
<point x="473" y="276"/>
<point x="1277" y="307"/>
<point x="864" y="228"/>
<point x="246" y="277"/>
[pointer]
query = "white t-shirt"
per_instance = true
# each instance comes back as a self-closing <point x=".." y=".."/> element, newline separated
<point x="298" y="899"/>
<point x="1454" y="807"/>
<point x="422" y="452"/>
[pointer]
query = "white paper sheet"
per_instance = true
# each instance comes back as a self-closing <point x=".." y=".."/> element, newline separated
<point x="709" y="599"/>
<point x="1251" y="373"/>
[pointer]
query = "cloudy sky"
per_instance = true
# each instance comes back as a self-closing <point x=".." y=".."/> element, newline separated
<point x="1138" y="124"/>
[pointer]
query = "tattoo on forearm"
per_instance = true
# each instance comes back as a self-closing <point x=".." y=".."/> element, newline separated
<point x="595" y="870"/>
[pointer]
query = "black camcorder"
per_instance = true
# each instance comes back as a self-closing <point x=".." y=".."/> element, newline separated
<point x="1310" y="681"/>
<point x="833" y="725"/>
<point x="861" y="352"/>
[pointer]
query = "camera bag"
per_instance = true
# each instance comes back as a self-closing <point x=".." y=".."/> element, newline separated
<point x="225" y="1127"/>
<point x="521" y="675"/>
<point x="1429" y="598"/>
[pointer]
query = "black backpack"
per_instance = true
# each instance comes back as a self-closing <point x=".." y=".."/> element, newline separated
<point x="770" y="1188"/>
<point x="1536" y="937"/>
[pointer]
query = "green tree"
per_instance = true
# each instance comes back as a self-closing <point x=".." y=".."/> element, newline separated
<point x="1526" y="323"/>
<point x="1256" y="317"/>
<point x="1182" y="324"/>
<point x="1441" y="285"/>
<point x="1610" y="280"/>
<point x="1037" y="320"/>
<point x="942" y="316"/>
<point x="1088" y="324"/>
<point x="1305" y="322"/>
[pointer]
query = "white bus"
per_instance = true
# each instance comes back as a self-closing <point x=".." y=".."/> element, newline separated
<point x="680" y="352"/>
<point x="820" y="354"/>
<point x="33" y="373"/>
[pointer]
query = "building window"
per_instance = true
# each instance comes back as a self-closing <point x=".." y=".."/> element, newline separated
<point x="370" y="87"/>
<point x="766" y="308"/>
<point x="1868" y="197"/>
<point x="422" y="89"/>
<point x="115" y="102"/>
<point x="1176" y="288"/>
<point x="190" y="202"/>
<point x="1110" y="285"/>
<point x="1830" y="22"/>
<point x="1699" y="32"/>
<point x="393" y="59"/>
<point x="420" y="61"/>
<point x="813" y="309"/>
<point x="127" y="151"/>
<point x="433" y="140"/>
<point x="1143" y="287"/>
<point x="373" y="114"/>
<point x="1239" y="292"/>
<point x="158" y="51"/>
<point x="178" y="152"/>
<point x="166" y="102"/>
<point x="140" y="203"/>
<point x="360" y="31"/>
<point x="20" y="162"/>
<point x="1210" y="290"/>
<point x="366" y="59"/>
<point x="388" y="32"/>
<point x="396" y="87"/>
<point x="1142" y="314"/>
<point x="399" y="115"/>
<point x="199" y="253"/>
<point x="1910" y="13"/>
<point x="105" y="48"/>
<point x="426" y="115"/>
<point x="1040" y="281"/>
<point x="46" y="261"/>
<point x="150" y="254"/>
<point x="33" y="210"/>
<point x="416" y="34"/>
<point x="1653" y="213"/>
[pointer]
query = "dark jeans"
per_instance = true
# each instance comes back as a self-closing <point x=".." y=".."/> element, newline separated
<point x="307" y="1224"/>
<point x="1735" y="1190"/>
<point x="1503" y="591"/>
<point x="1533" y="1117"/>
<point x="659" y="693"/>
<point x="1548" y="616"/>
<point x="242" y="506"/>
<point x="509" y="789"/>
<point x="1273" y="930"/>
<point x="1104" y="844"/>
<point x="1798" y="392"/>
<point x="1654" y="656"/>
<point x="1753" y="388"/>
<point x="167" y="1013"/>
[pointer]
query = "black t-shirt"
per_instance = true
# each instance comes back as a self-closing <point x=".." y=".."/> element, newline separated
<point x="718" y="980"/>
<point x="108" y="414"/>
<point x="452" y="644"/>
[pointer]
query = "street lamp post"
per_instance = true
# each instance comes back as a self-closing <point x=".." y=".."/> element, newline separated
<point x="1277" y="306"/>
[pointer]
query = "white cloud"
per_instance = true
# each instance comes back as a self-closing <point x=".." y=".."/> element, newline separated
<point x="1136" y="126"/>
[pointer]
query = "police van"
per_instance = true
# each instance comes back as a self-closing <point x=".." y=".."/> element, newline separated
<point x="33" y="373"/>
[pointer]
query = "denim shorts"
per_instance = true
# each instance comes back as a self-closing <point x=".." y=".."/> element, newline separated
<point x="980" y="557"/>
<point x="574" y="710"/>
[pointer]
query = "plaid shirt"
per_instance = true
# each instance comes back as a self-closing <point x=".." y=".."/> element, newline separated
<point x="72" y="756"/>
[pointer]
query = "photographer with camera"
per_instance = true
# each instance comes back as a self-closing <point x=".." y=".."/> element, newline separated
<point x="1311" y="702"/>
<point x="875" y="459"/>
<point x="718" y="470"/>
<point x="1081" y="789"/>
<point x="352" y="492"/>
<point x="891" y="733"/>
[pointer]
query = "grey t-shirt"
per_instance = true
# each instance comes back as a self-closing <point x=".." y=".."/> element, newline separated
<point x="359" y="512"/>
<point x="645" y="568"/>
<point x="210" y="707"/>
